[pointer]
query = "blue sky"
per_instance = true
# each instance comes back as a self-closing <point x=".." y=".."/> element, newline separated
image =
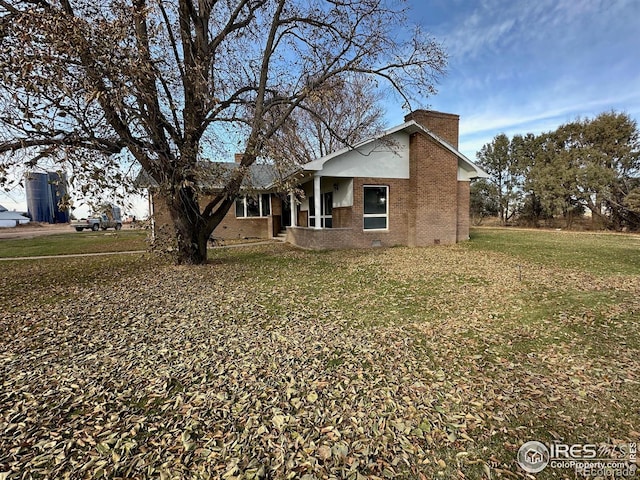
<point x="530" y="66"/>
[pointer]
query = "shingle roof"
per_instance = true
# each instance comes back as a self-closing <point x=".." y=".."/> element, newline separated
<point x="215" y="175"/>
<point x="7" y="215"/>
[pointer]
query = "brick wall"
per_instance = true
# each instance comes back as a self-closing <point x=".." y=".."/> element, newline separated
<point x="463" y="211"/>
<point x="230" y="228"/>
<point x="323" y="239"/>
<point x="412" y="203"/>
<point x="164" y="231"/>
<point x="444" y="125"/>
<point x="434" y="185"/>
<point x="237" y="228"/>
<point x="399" y="196"/>
<point x="348" y="231"/>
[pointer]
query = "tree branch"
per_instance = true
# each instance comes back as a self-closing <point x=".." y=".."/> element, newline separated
<point x="101" y="145"/>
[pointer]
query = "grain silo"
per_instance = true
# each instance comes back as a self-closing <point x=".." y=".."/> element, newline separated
<point x="44" y="192"/>
<point x="39" y="201"/>
<point x="58" y="187"/>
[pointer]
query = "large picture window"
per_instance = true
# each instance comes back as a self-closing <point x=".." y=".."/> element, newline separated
<point x="376" y="207"/>
<point x="253" y="206"/>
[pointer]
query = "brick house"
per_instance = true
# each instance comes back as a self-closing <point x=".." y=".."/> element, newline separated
<point x="408" y="186"/>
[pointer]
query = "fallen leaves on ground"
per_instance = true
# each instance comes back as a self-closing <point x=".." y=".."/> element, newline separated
<point x="276" y="363"/>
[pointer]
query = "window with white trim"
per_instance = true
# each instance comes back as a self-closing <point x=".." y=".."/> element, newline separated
<point x="376" y="207"/>
<point x="253" y="206"/>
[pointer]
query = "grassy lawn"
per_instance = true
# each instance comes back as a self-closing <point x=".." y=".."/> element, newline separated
<point x="599" y="253"/>
<point x="271" y="362"/>
<point x="74" y="242"/>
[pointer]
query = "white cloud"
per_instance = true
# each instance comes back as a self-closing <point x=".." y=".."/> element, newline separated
<point x="478" y="130"/>
<point x="507" y="27"/>
<point x="496" y="117"/>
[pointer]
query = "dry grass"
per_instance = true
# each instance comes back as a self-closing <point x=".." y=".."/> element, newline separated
<point x="276" y="363"/>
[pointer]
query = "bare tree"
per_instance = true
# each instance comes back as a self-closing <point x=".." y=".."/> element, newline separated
<point x="341" y="114"/>
<point x="91" y="83"/>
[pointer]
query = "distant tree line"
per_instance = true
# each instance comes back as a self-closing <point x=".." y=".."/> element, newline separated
<point x="584" y="168"/>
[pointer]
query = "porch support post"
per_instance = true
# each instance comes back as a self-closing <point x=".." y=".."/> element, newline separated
<point x="293" y="208"/>
<point x="317" y="201"/>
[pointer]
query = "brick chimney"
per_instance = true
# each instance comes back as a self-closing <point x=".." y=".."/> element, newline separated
<point x="444" y="125"/>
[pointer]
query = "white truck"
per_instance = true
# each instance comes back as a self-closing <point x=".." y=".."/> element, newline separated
<point x="109" y="218"/>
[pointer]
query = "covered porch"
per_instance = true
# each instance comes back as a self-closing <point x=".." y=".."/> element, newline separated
<point x="322" y="218"/>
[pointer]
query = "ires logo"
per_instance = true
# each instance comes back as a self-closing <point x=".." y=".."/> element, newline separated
<point x="560" y="451"/>
<point x="588" y="459"/>
<point x="533" y="457"/>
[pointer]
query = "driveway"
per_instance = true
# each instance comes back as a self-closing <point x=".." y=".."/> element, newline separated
<point x="35" y="230"/>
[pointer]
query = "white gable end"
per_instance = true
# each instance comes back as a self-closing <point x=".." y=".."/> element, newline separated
<point x="383" y="158"/>
<point x="386" y="156"/>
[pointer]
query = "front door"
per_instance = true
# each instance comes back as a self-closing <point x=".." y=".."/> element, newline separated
<point x="285" y="220"/>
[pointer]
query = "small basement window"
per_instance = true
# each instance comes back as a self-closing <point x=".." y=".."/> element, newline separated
<point x="376" y="207"/>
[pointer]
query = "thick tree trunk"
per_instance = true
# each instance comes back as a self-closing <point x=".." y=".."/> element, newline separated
<point x="192" y="245"/>
<point x="193" y="225"/>
<point x="191" y="240"/>
<point x="191" y="230"/>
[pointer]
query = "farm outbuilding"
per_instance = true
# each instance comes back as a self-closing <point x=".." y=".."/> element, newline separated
<point x="11" y="219"/>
